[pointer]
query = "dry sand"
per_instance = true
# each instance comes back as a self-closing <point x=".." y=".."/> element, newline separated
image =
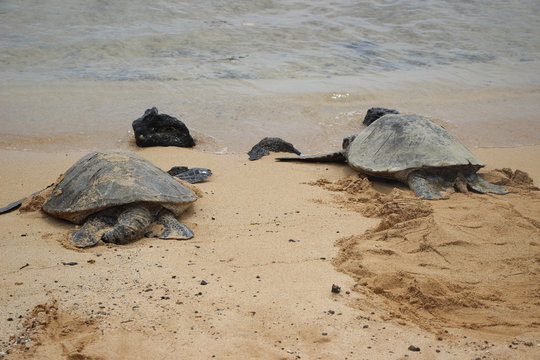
<point x="457" y="278"/>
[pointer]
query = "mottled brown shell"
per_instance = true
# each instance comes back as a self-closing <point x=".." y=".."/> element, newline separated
<point x="102" y="180"/>
<point x="395" y="145"/>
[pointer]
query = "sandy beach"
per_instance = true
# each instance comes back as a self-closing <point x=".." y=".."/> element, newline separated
<point x="454" y="279"/>
<point x="289" y="260"/>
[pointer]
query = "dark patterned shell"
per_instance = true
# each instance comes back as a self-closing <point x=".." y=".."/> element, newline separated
<point x="395" y="145"/>
<point x="102" y="180"/>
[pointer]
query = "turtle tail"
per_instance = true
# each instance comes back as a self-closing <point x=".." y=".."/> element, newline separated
<point x="132" y="223"/>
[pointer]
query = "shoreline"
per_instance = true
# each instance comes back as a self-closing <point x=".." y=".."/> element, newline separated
<point x="266" y="296"/>
<point x="482" y="107"/>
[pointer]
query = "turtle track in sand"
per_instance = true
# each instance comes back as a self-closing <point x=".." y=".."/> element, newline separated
<point x="463" y="262"/>
<point x="45" y="327"/>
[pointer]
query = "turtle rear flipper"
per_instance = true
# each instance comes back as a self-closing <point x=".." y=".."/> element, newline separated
<point x="338" y="156"/>
<point x="89" y="234"/>
<point x="428" y="186"/>
<point x="132" y="223"/>
<point x="482" y="186"/>
<point x="166" y="227"/>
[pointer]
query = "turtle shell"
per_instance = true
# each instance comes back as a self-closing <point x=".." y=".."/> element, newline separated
<point x="102" y="180"/>
<point x="395" y="145"/>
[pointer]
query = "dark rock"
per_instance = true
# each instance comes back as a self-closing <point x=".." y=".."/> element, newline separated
<point x="414" y="348"/>
<point x="193" y="175"/>
<point x="336" y="289"/>
<point x="267" y="144"/>
<point x="153" y="129"/>
<point x="203" y="282"/>
<point x="375" y="113"/>
<point x="69" y="263"/>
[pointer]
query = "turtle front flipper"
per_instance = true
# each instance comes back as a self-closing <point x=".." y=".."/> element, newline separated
<point x="427" y="186"/>
<point x="338" y="156"/>
<point x="166" y="227"/>
<point x="132" y="223"/>
<point x="88" y="234"/>
<point x="482" y="186"/>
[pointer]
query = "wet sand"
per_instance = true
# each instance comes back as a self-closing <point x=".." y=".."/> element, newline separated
<point x="481" y="106"/>
<point x="456" y="278"/>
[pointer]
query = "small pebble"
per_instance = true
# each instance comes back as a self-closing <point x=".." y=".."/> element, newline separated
<point x="203" y="282"/>
<point x="336" y="289"/>
<point x="414" y="348"/>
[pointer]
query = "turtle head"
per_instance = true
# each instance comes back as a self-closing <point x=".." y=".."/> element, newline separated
<point x="347" y="141"/>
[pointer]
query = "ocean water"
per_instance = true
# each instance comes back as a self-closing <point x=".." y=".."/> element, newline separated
<point x="76" y="73"/>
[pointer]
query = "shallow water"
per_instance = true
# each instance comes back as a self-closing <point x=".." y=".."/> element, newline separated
<point x="76" y="73"/>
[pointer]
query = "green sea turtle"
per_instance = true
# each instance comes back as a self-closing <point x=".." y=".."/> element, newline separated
<point x="191" y="175"/>
<point x="415" y="151"/>
<point x="119" y="197"/>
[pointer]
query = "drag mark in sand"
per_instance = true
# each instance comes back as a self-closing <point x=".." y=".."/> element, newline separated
<point x="468" y="262"/>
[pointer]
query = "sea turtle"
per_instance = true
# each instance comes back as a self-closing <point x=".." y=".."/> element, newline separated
<point x="118" y="197"/>
<point x="413" y="150"/>
<point x="191" y="175"/>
